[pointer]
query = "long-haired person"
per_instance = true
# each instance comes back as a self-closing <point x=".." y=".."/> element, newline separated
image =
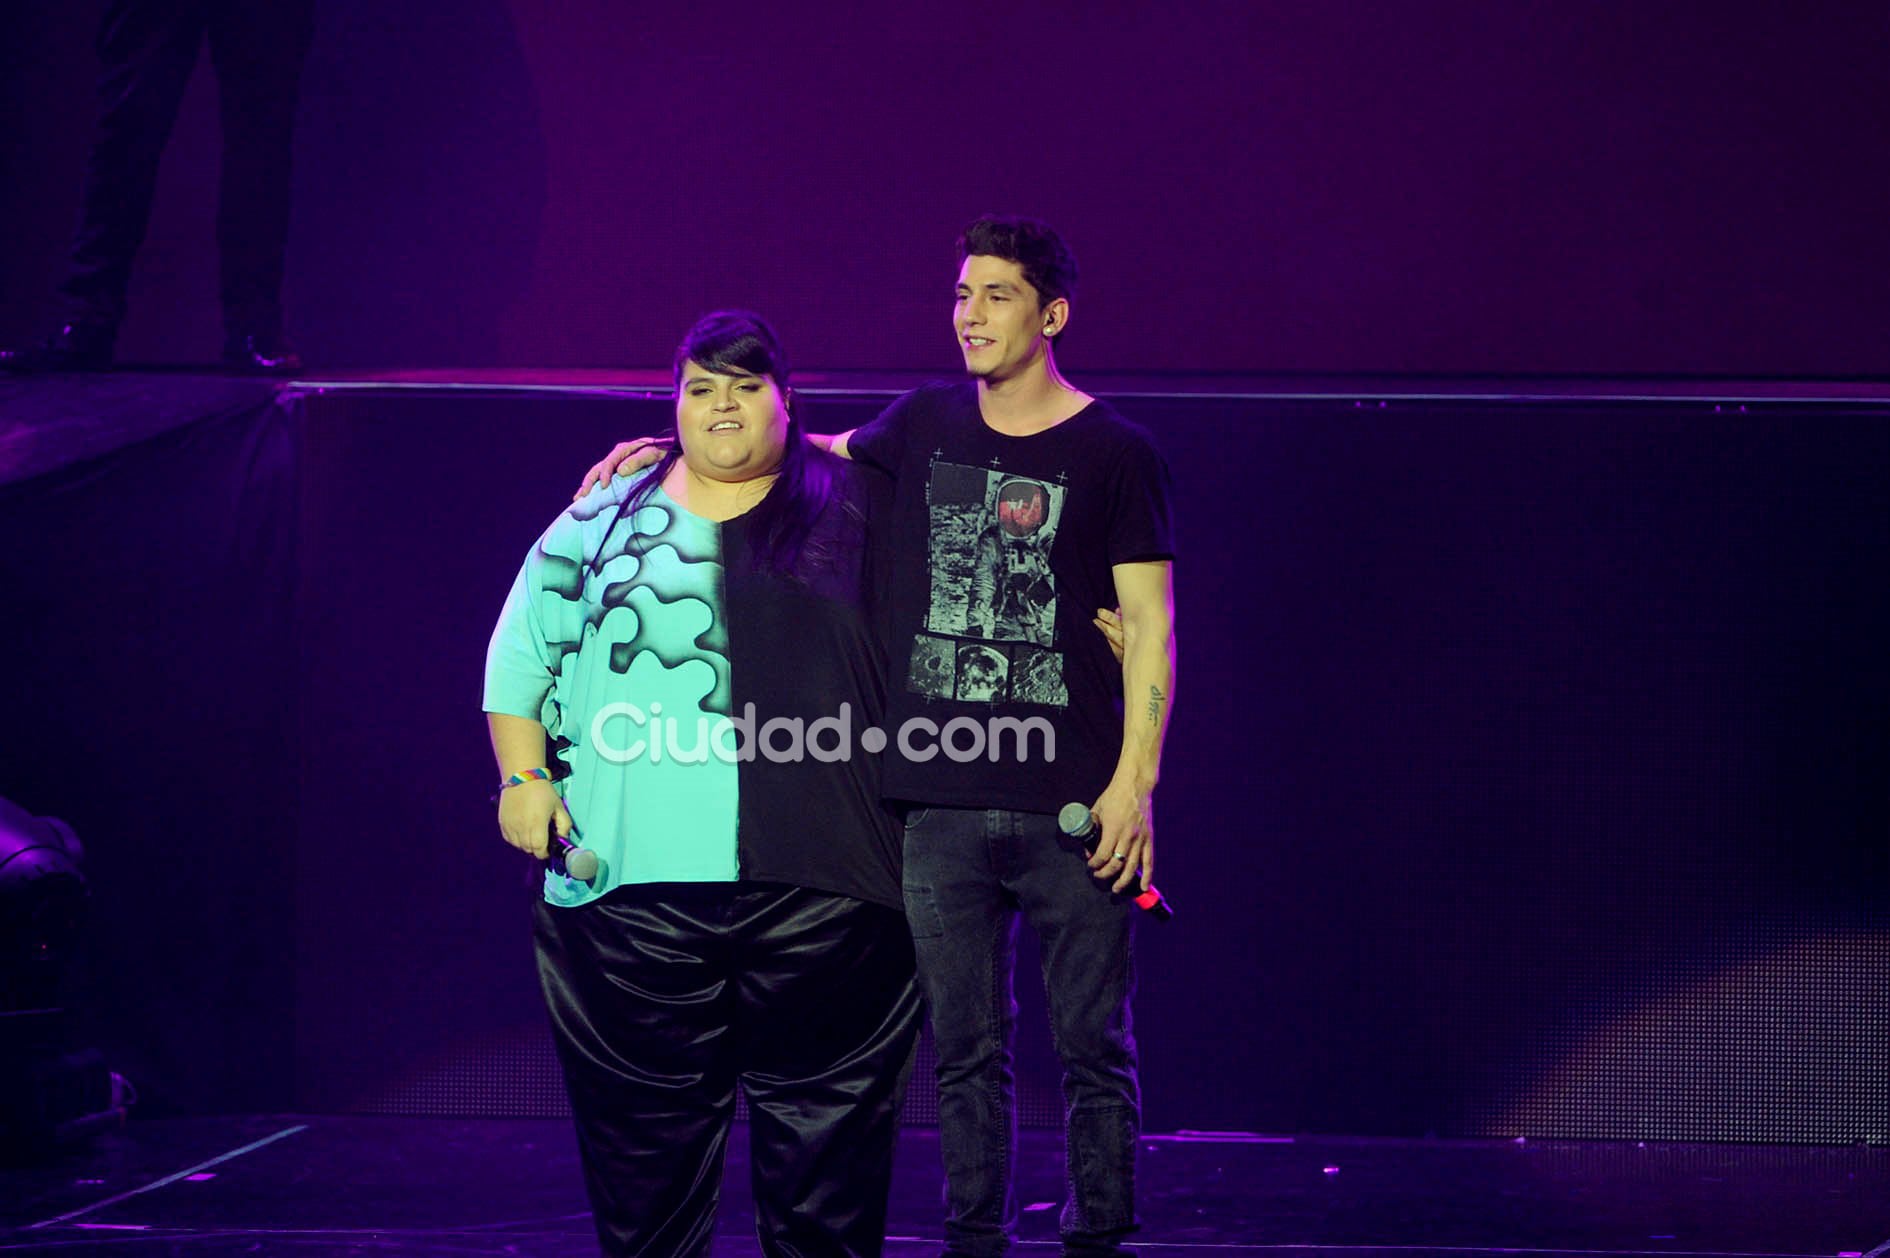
<point x="697" y="642"/>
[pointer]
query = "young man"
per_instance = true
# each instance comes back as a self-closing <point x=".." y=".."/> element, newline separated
<point x="1020" y="505"/>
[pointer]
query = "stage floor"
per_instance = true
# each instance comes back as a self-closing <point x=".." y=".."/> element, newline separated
<point x="353" y="1185"/>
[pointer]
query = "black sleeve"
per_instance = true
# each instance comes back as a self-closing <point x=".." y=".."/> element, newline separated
<point x="879" y="576"/>
<point x="882" y="443"/>
<point x="1141" y="521"/>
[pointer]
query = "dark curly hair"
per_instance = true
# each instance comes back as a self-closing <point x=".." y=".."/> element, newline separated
<point x="1032" y="244"/>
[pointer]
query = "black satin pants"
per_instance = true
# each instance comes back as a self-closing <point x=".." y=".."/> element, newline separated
<point x="663" y="997"/>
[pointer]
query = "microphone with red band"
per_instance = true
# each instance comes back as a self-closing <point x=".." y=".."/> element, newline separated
<point x="1079" y="823"/>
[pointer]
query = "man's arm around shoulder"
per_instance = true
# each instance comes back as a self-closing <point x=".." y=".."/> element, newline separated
<point x="634" y="455"/>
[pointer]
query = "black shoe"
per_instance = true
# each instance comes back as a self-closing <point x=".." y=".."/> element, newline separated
<point x="267" y="354"/>
<point x="75" y="347"/>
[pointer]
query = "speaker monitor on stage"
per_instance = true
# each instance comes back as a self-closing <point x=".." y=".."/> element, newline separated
<point x="52" y="1091"/>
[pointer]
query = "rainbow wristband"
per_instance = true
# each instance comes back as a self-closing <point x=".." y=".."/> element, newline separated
<point x="530" y="775"/>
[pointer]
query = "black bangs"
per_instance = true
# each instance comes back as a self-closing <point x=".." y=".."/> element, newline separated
<point x="783" y="532"/>
<point x="733" y="342"/>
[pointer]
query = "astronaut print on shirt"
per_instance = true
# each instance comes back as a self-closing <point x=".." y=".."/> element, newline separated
<point x="991" y="626"/>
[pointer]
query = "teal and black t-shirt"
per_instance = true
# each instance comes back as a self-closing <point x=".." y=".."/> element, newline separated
<point x="714" y="711"/>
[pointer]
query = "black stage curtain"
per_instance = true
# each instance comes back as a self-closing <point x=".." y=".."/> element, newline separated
<point x="1529" y="776"/>
<point x="149" y="570"/>
<point x="1528" y="773"/>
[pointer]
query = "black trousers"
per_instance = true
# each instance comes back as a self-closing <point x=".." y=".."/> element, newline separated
<point x="663" y="997"/>
<point x="147" y="49"/>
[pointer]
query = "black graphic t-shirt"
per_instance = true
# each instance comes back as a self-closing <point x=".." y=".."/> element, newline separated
<point x="1003" y="694"/>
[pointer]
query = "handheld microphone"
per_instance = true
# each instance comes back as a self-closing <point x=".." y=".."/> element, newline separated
<point x="579" y="862"/>
<point x="1078" y="822"/>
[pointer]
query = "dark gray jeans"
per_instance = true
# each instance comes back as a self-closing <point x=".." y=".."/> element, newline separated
<point x="968" y="873"/>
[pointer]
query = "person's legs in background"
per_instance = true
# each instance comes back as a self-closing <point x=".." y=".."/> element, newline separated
<point x="146" y="50"/>
<point x="258" y="50"/>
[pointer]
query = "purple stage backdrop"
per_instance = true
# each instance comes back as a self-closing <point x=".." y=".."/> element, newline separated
<point x="1529" y="764"/>
<point x="1324" y="186"/>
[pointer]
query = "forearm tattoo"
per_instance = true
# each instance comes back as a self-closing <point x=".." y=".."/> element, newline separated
<point x="1155" y="697"/>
